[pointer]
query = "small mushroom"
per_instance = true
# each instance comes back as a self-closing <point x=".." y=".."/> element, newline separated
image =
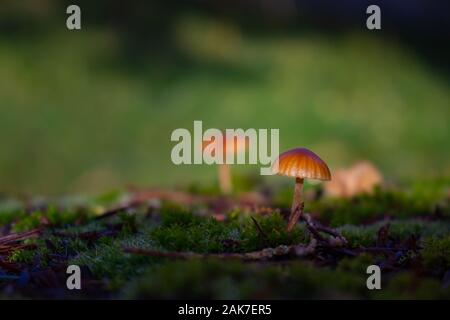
<point x="233" y="144"/>
<point x="362" y="177"/>
<point x="301" y="164"/>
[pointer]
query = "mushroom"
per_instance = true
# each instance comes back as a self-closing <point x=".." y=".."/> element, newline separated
<point x="362" y="177"/>
<point x="234" y="144"/>
<point x="301" y="164"/>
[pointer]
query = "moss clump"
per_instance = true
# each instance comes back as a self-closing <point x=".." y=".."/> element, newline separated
<point x="107" y="259"/>
<point x="182" y="231"/>
<point x="274" y="229"/>
<point x="48" y="247"/>
<point x="407" y="285"/>
<point x="436" y="253"/>
<point x="216" y="279"/>
<point x="174" y="215"/>
<point x="7" y="217"/>
<point x="399" y="230"/>
<point x="205" y="236"/>
<point x="356" y="265"/>
<point x="51" y="216"/>
<point x="359" y="235"/>
<point x="22" y="256"/>
<point x="368" y="208"/>
<point x="213" y="279"/>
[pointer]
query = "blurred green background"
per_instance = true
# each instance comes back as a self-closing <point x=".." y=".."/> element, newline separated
<point x="92" y="110"/>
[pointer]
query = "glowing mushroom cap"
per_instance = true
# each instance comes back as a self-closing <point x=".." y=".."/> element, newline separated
<point x="302" y="163"/>
<point x="233" y="144"/>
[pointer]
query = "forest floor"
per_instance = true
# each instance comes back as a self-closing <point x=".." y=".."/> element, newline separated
<point x="197" y="244"/>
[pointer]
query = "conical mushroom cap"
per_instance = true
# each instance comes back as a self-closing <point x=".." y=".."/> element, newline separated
<point x="302" y="163"/>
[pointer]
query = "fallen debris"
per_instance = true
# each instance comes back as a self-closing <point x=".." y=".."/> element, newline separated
<point x="265" y="254"/>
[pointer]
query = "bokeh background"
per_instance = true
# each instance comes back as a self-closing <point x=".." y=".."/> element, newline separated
<point x="92" y="110"/>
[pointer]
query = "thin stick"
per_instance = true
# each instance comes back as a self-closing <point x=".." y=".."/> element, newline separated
<point x="319" y="227"/>
<point x="13" y="247"/>
<point x="113" y="211"/>
<point x="260" y="231"/>
<point x="265" y="254"/>
<point x="13" y="237"/>
<point x="315" y="228"/>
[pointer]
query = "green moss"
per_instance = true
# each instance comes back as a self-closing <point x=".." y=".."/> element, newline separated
<point x="175" y="228"/>
<point x="108" y="198"/>
<point x="359" y="235"/>
<point x="47" y="247"/>
<point x="357" y="265"/>
<point x="274" y="229"/>
<point x="182" y="231"/>
<point x="176" y="215"/>
<point x="367" y="208"/>
<point x="107" y="259"/>
<point x="51" y="216"/>
<point x="436" y="253"/>
<point x="92" y="226"/>
<point x="430" y="190"/>
<point x="234" y="280"/>
<point x="203" y="237"/>
<point x="294" y="280"/>
<point x="22" y="256"/>
<point x="407" y="285"/>
<point x="39" y="255"/>
<point x="7" y="217"/>
<point x="399" y="229"/>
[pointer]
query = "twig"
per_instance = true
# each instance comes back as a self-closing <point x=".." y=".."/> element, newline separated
<point x="114" y="211"/>
<point x="326" y="229"/>
<point x="261" y="232"/>
<point x="336" y="247"/>
<point x="336" y="240"/>
<point x="383" y="234"/>
<point x="4" y="249"/>
<point x="312" y="229"/>
<point x="265" y="254"/>
<point x="382" y="249"/>
<point x="14" y="237"/>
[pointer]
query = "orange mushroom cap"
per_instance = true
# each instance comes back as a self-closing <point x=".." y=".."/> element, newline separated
<point x="302" y="163"/>
<point x="232" y="144"/>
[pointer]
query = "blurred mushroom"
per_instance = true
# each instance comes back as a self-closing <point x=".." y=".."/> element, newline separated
<point x="233" y="144"/>
<point x="362" y="177"/>
<point x="301" y="164"/>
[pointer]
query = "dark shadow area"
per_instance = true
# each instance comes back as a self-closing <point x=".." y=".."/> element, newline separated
<point x="145" y="28"/>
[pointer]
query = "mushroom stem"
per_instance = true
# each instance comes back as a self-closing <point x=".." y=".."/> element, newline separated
<point x="296" y="203"/>
<point x="225" y="178"/>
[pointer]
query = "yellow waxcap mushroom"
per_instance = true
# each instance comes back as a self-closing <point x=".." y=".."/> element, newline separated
<point x="300" y="163"/>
